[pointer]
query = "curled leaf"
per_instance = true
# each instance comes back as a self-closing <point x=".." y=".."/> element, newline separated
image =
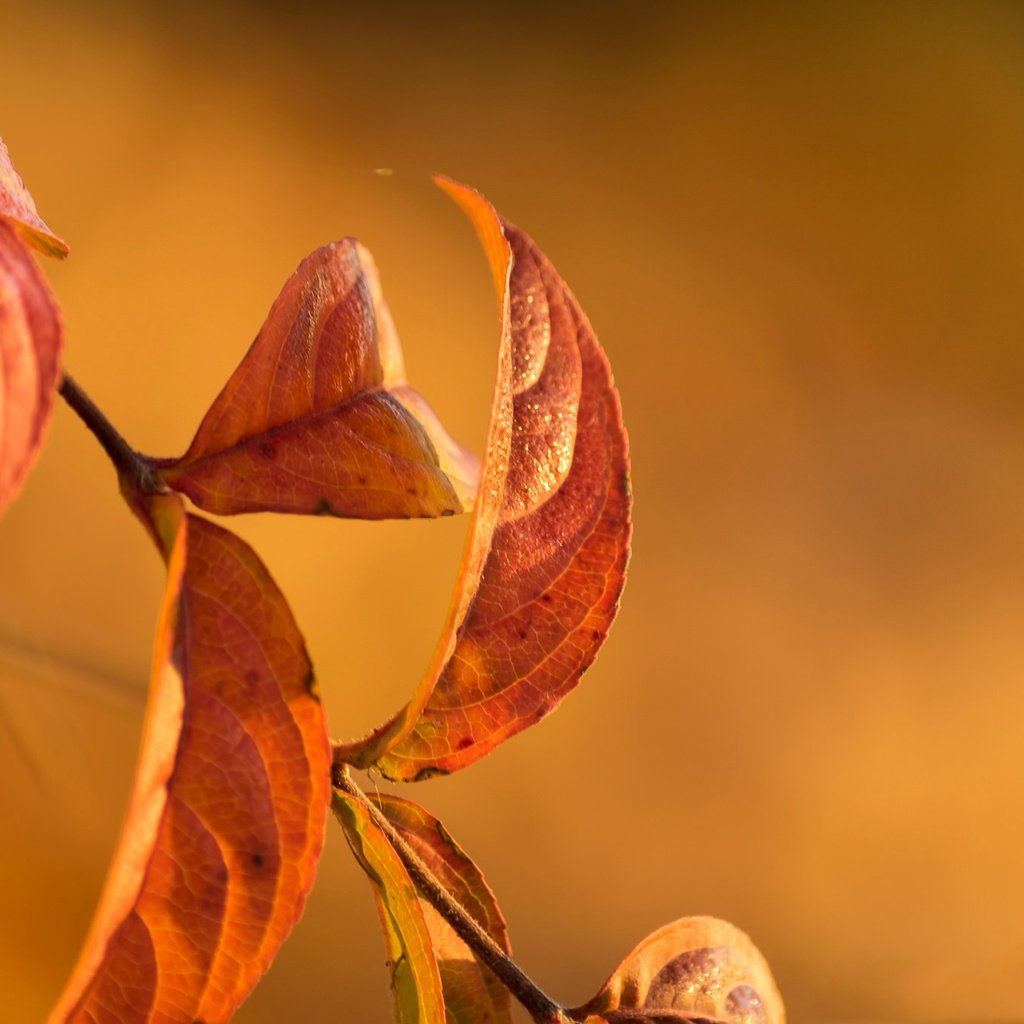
<point x="226" y="820"/>
<point x="545" y="559"/>
<point x="31" y="339"/>
<point x="472" y="993"/>
<point x="697" y="969"/>
<point x="18" y="209"/>
<point x="415" y="979"/>
<point x="318" y="418"/>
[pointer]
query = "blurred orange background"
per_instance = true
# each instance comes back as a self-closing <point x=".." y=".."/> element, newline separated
<point x="799" y="232"/>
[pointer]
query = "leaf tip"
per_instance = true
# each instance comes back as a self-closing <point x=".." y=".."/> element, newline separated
<point x="488" y="224"/>
<point x="48" y="243"/>
<point x="18" y="208"/>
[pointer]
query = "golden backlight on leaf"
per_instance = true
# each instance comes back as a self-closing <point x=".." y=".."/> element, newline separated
<point x="472" y="994"/>
<point x="415" y="979"/>
<point x="225" y="825"/>
<point x="431" y="965"/>
<point x="19" y="210"/>
<point x="695" y="969"/>
<point x="548" y="545"/>
<point x="318" y="418"/>
<point x="31" y="338"/>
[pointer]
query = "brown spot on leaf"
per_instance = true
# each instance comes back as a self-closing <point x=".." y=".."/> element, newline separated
<point x="745" y="1006"/>
<point x="309" y="684"/>
<point x="696" y="970"/>
<point x="466" y="741"/>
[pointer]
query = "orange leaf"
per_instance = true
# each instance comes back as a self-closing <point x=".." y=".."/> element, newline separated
<point x="547" y="549"/>
<point x="696" y="969"/>
<point x="19" y="210"/>
<point x="226" y="820"/>
<point x="31" y="338"/>
<point x="472" y="994"/>
<point x="318" y="419"/>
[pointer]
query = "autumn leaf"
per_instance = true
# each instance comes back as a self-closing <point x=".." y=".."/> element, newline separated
<point x="318" y="417"/>
<point x="472" y="994"/>
<point x="421" y="943"/>
<point x="31" y="332"/>
<point x="415" y="978"/>
<point x="31" y="339"/>
<point x="226" y="821"/>
<point x="18" y="209"/>
<point x="697" y="969"/>
<point x="548" y="544"/>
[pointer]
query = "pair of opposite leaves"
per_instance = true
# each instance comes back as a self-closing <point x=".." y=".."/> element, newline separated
<point x="226" y="820"/>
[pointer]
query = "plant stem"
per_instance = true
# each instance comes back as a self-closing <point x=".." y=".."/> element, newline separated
<point x="543" y="1009"/>
<point x="130" y="465"/>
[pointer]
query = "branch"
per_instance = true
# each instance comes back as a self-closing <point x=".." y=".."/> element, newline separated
<point x="130" y="465"/>
<point x="543" y="1009"/>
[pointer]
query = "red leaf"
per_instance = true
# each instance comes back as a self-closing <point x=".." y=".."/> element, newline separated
<point x="19" y="210"/>
<point x="226" y="821"/>
<point x="31" y="339"/>
<point x="546" y="556"/>
<point x="318" y="419"/>
<point x="697" y="969"/>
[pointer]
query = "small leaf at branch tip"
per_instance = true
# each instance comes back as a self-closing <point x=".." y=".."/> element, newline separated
<point x="318" y="418"/>
<point x="19" y="210"/>
<point x="548" y="543"/>
<point x="225" y="825"/>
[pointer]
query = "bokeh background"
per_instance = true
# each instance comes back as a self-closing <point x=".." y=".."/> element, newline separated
<point x="799" y="231"/>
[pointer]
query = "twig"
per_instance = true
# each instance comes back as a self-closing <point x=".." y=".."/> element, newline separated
<point x="130" y="465"/>
<point x="541" y="1007"/>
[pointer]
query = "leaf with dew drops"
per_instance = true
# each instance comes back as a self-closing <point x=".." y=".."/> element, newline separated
<point x="549" y="540"/>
